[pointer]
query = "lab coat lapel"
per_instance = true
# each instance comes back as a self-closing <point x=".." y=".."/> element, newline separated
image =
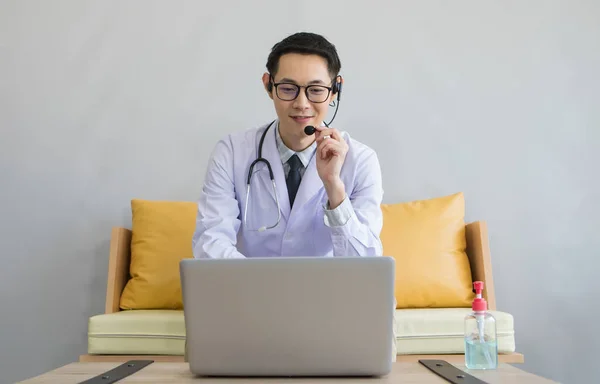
<point x="311" y="184"/>
<point x="271" y="153"/>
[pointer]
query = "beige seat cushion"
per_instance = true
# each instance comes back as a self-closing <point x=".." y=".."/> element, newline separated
<point x="137" y="332"/>
<point x="162" y="332"/>
<point x="441" y="331"/>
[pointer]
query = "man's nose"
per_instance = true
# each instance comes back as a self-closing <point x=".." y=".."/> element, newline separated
<point x="301" y="102"/>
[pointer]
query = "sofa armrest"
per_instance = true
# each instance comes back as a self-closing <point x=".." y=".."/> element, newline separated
<point x="118" y="267"/>
<point x="478" y="251"/>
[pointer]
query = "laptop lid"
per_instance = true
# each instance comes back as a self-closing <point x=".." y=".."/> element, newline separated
<point x="289" y="316"/>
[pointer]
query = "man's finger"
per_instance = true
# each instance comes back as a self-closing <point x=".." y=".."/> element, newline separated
<point x="326" y="133"/>
<point x="324" y="150"/>
<point x="331" y="146"/>
<point x="323" y="139"/>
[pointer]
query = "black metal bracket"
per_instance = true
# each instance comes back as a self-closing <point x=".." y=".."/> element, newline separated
<point x="450" y="372"/>
<point x="118" y="373"/>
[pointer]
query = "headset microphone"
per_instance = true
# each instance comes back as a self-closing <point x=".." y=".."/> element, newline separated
<point x="309" y="130"/>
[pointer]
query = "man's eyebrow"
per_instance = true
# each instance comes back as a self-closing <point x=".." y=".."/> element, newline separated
<point x="288" y="80"/>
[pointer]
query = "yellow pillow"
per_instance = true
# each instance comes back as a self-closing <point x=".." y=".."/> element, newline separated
<point x="161" y="237"/>
<point x="427" y="240"/>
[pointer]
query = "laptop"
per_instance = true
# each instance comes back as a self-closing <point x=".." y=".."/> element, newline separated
<point x="289" y="316"/>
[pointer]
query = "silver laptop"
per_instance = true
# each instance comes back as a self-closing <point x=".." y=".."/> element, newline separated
<point x="290" y="316"/>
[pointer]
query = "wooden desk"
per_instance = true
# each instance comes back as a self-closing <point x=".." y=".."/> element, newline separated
<point x="402" y="373"/>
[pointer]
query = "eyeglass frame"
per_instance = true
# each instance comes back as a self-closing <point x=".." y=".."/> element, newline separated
<point x="329" y="89"/>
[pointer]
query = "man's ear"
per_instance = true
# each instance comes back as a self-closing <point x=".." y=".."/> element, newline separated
<point x="266" y="79"/>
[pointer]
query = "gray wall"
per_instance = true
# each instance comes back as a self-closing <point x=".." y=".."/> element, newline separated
<point x="106" y="101"/>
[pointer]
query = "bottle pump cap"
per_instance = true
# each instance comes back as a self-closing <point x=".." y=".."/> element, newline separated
<point x="479" y="303"/>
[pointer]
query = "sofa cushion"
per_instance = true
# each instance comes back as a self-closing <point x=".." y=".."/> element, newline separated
<point x="161" y="236"/>
<point x="441" y="331"/>
<point x="137" y="332"/>
<point x="162" y="332"/>
<point x="427" y="239"/>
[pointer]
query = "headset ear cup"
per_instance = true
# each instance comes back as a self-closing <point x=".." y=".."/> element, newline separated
<point x="337" y="87"/>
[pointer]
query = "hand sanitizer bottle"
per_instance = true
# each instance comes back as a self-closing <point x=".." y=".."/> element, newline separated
<point x="481" y="345"/>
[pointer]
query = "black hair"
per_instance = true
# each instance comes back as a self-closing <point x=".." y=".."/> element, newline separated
<point x="305" y="43"/>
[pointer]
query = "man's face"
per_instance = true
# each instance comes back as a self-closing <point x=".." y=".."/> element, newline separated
<point x="300" y="70"/>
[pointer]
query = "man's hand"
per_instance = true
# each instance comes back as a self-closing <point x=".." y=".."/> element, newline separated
<point x="331" y="153"/>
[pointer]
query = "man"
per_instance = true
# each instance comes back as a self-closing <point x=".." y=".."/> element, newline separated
<point x="324" y="196"/>
<point x="327" y="185"/>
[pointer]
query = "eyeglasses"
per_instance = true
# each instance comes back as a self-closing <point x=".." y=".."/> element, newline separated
<point x="314" y="93"/>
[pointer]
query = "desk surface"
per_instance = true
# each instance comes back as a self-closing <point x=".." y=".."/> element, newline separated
<point x="404" y="373"/>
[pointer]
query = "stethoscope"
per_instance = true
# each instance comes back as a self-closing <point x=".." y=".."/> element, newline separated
<point x="261" y="159"/>
<point x="309" y="130"/>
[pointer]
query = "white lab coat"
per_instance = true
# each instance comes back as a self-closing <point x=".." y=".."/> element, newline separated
<point x="220" y="230"/>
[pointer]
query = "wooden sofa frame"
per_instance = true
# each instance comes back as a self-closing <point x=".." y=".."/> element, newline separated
<point x="478" y="251"/>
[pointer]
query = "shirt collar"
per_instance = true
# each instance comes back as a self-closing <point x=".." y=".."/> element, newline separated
<point x="285" y="153"/>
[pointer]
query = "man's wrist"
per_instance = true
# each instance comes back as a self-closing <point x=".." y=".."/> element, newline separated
<point x="336" y="193"/>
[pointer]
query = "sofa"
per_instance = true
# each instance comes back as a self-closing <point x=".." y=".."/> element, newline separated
<point x="438" y="256"/>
